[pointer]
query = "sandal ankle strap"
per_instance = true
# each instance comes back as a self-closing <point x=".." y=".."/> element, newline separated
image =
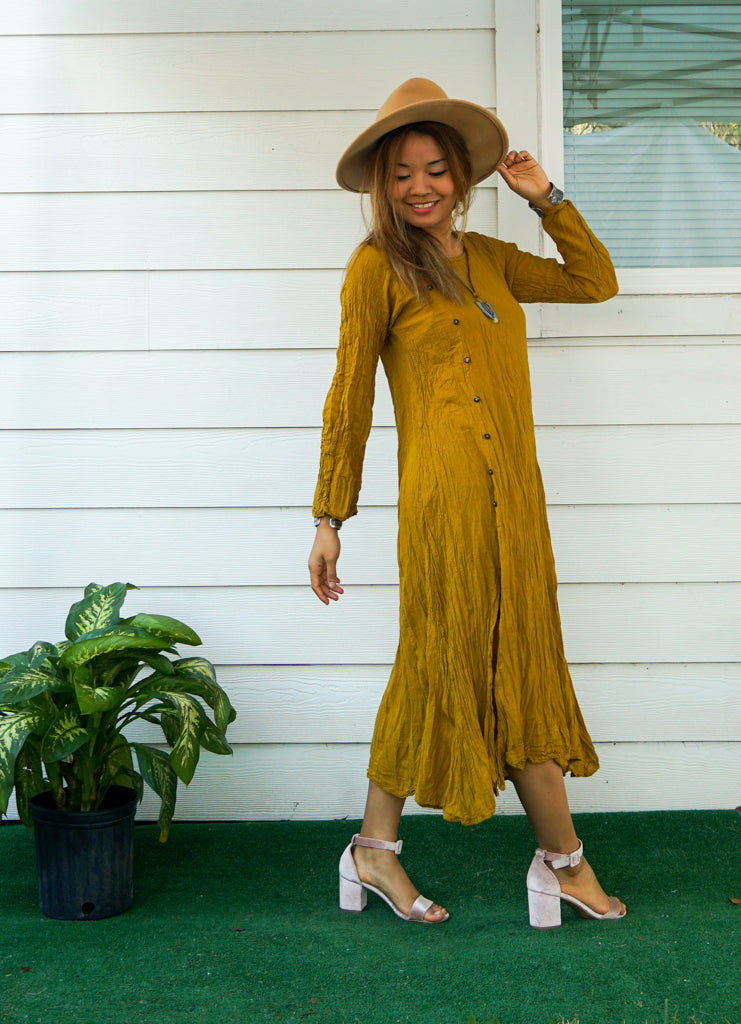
<point x="564" y="860"/>
<point x="377" y="844"/>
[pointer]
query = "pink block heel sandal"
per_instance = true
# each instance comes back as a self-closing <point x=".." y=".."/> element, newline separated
<point x="544" y="894"/>
<point x="354" y="893"/>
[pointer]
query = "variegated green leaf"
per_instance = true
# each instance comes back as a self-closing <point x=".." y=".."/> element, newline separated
<point x="191" y="723"/>
<point x="171" y="629"/>
<point x="98" y="610"/>
<point x="92" y="699"/>
<point x="29" y="777"/>
<point x="40" y="653"/>
<point x="159" y="663"/>
<point x="224" y="713"/>
<point x="214" y="741"/>
<point x="199" y="677"/>
<point x="168" y="721"/>
<point x="128" y="777"/>
<point x="65" y="735"/>
<point x="119" y="768"/>
<point x="119" y="755"/>
<point x="14" y="730"/>
<point x="11" y="661"/>
<point x="195" y="668"/>
<point x="85" y="649"/>
<point x="21" y="684"/>
<point x="157" y="772"/>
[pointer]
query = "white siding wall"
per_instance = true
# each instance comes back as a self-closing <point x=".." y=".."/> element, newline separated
<point x="170" y="262"/>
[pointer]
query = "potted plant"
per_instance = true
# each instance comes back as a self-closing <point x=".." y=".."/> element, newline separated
<point x="64" y="712"/>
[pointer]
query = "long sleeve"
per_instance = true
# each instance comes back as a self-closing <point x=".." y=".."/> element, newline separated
<point x="586" y="275"/>
<point x="348" y="410"/>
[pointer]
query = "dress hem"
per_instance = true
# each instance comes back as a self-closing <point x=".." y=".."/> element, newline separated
<point x="574" y="766"/>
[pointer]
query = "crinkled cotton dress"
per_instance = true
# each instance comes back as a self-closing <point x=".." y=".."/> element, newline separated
<point x="480" y="682"/>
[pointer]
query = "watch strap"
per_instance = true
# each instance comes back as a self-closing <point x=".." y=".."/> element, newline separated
<point x="555" y="197"/>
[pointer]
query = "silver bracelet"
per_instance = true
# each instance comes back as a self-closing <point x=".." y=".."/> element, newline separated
<point x="336" y="524"/>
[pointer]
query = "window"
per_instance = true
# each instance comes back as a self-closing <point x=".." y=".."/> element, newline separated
<point x="652" y="107"/>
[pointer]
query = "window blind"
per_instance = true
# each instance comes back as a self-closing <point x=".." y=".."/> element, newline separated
<point x="652" y="107"/>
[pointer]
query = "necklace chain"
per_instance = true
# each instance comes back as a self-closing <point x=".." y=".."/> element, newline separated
<point x="485" y="307"/>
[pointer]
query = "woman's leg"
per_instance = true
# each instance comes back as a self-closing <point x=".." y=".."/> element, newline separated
<point x="381" y="868"/>
<point x="542" y="793"/>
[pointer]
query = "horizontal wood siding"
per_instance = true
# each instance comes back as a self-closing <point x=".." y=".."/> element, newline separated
<point x="616" y="543"/>
<point x="618" y="385"/>
<point x="170" y="262"/>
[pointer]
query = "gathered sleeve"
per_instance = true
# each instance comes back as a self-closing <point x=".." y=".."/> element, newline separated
<point x="366" y="317"/>
<point x="586" y="275"/>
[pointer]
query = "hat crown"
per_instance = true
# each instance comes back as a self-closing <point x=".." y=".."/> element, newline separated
<point x="414" y="90"/>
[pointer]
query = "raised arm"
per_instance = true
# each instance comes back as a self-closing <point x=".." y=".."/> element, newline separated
<point x="587" y="273"/>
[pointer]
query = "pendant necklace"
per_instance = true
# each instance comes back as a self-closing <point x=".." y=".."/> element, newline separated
<point x="485" y="307"/>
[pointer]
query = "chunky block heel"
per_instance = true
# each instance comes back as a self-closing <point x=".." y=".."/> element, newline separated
<point x="352" y="895"/>
<point x="545" y="910"/>
<point x="544" y="894"/>
<point x="354" y="892"/>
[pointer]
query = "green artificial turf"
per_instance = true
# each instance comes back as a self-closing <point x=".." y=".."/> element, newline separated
<point x="238" y="923"/>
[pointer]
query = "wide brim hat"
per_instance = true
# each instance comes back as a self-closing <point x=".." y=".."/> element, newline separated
<point x="419" y="99"/>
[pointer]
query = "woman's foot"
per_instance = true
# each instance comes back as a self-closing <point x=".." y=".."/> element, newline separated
<point x="581" y="883"/>
<point x="381" y="868"/>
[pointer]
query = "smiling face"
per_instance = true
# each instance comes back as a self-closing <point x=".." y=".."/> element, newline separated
<point x="421" y="188"/>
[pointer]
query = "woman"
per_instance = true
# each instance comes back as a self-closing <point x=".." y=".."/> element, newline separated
<point x="480" y="691"/>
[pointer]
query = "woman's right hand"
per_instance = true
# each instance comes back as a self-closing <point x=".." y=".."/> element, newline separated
<point x="323" y="563"/>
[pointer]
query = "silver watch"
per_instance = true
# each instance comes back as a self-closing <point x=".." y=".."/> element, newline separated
<point x="336" y="524"/>
<point x="555" y="197"/>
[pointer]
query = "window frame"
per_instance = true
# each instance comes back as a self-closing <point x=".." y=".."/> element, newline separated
<point x="632" y="280"/>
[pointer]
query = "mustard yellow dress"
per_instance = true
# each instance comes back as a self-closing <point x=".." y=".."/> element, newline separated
<point x="480" y="681"/>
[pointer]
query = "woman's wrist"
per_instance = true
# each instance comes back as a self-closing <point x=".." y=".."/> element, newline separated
<point x="331" y="521"/>
<point x="550" y="201"/>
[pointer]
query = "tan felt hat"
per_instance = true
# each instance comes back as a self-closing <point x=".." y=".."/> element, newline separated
<point x="419" y="99"/>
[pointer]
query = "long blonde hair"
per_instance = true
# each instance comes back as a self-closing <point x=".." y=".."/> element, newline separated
<point x="413" y="253"/>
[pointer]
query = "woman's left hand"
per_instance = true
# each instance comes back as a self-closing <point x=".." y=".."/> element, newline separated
<point x="526" y="177"/>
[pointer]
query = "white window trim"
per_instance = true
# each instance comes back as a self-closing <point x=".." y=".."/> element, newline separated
<point x="633" y="281"/>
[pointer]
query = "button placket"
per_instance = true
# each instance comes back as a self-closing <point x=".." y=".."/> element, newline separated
<point x="477" y="401"/>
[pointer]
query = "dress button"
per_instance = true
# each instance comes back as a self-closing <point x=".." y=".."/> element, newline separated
<point x="466" y="359"/>
<point x="456" y="322"/>
<point x="491" y="472"/>
<point x="476" y="398"/>
<point x="429" y="287"/>
<point x="494" y="503"/>
<point x="487" y="436"/>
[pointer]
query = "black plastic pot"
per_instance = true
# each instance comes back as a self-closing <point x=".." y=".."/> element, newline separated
<point x="85" y="859"/>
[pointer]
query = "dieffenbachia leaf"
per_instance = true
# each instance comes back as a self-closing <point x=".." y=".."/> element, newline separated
<point x="14" y="730"/>
<point x="92" y="699"/>
<point x="85" y="649"/>
<point x="11" y="661"/>
<point x="29" y="778"/>
<point x="214" y="741"/>
<point x="191" y="721"/>
<point x="97" y="610"/>
<point x="65" y="735"/>
<point x="170" y="629"/>
<point x="40" y="653"/>
<point x="22" y="684"/>
<point x="198" y="676"/>
<point x="157" y="772"/>
<point x="159" y="663"/>
<point x="119" y="768"/>
<point x="195" y="668"/>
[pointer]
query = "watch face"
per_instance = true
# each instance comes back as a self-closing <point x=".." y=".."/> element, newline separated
<point x="556" y="196"/>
